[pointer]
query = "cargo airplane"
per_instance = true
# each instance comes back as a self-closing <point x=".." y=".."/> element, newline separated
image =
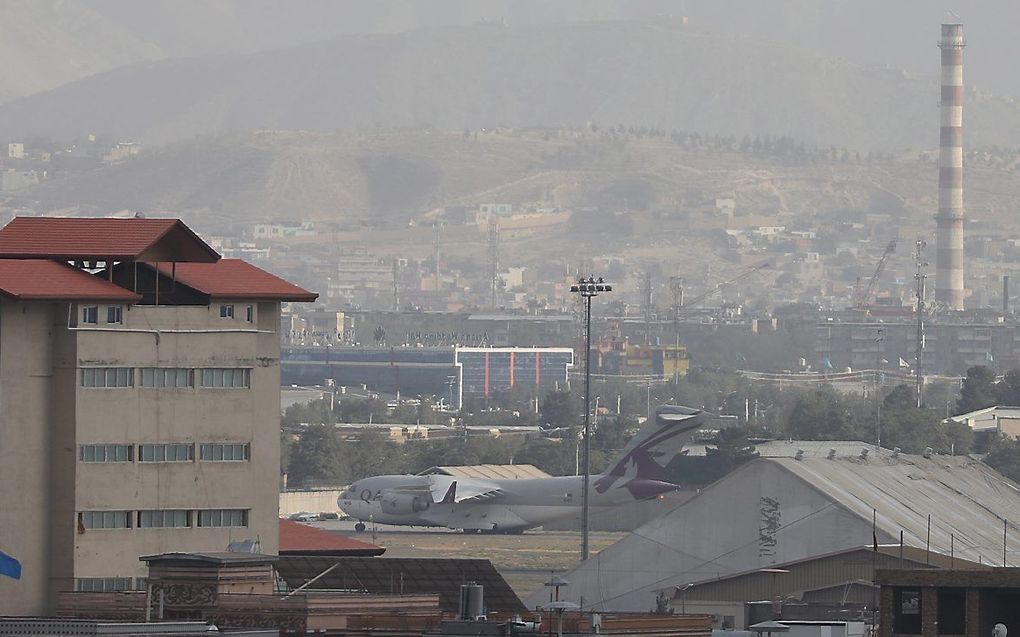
<point x="511" y="506"/>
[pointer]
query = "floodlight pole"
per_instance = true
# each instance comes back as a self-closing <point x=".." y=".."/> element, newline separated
<point x="587" y="289"/>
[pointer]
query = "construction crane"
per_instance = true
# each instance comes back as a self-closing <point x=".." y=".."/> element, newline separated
<point x="865" y="298"/>
<point x="743" y="275"/>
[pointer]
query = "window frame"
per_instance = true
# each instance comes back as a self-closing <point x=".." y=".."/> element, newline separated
<point x="160" y="452"/>
<point x="107" y="377"/>
<point x="158" y="377"/>
<point x="208" y="451"/>
<point x="109" y="520"/>
<point x="249" y="313"/>
<point x="145" y="519"/>
<point x="226" y="310"/>
<point x="225" y="377"/>
<point x="90" y="312"/>
<point x="214" y="518"/>
<point x="108" y="450"/>
<point x="117" y="312"/>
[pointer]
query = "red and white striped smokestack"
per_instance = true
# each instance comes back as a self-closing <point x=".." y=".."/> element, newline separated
<point x="949" y="256"/>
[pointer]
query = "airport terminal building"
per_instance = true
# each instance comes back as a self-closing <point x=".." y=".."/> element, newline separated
<point x="458" y="374"/>
<point x="140" y="385"/>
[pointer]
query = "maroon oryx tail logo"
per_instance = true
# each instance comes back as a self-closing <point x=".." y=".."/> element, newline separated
<point x="652" y="448"/>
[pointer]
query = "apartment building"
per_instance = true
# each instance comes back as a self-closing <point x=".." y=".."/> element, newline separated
<point x="139" y="401"/>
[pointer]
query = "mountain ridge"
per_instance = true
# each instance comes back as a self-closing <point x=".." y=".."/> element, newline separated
<point x="485" y="75"/>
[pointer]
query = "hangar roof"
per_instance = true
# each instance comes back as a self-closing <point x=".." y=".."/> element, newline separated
<point x="490" y="471"/>
<point x="774" y="511"/>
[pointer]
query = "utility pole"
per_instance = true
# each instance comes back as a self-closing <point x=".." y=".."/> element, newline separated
<point x="676" y="288"/>
<point x="919" y="277"/>
<point x="879" y="341"/>
<point x="587" y="289"/>
<point x="493" y="262"/>
<point x="646" y="301"/>
<point x="396" y="288"/>
<point x="437" y="229"/>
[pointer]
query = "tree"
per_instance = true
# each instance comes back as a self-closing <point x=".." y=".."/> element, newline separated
<point x="902" y="396"/>
<point x="978" y="390"/>
<point x="559" y="409"/>
<point x="1008" y="389"/>
<point x="374" y="454"/>
<point x="318" y="457"/>
<point x="1005" y="458"/>
<point x="821" y="415"/>
<point x="732" y="448"/>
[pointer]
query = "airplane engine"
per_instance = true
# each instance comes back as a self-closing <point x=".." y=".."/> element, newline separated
<point x="403" y="503"/>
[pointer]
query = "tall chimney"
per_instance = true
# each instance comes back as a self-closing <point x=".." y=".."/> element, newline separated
<point x="949" y="256"/>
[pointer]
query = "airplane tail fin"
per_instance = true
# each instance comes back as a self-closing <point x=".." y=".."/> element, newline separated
<point x="659" y="440"/>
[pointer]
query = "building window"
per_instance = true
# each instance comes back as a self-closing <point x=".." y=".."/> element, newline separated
<point x="114" y="314"/>
<point x="223" y="451"/>
<point x="226" y="311"/>
<point x="102" y="584"/>
<point x="90" y="314"/>
<point x="166" y="452"/>
<point x="106" y="453"/>
<point x="234" y="377"/>
<point x="223" y="517"/>
<point x="104" y="520"/>
<point x="107" y="377"/>
<point x="175" y="518"/>
<point x="167" y="377"/>
<point x="249" y="314"/>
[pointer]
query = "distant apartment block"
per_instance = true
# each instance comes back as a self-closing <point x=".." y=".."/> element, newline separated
<point x="16" y="150"/>
<point x="140" y="384"/>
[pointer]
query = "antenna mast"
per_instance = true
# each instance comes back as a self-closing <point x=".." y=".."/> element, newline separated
<point x="919" y="277"/>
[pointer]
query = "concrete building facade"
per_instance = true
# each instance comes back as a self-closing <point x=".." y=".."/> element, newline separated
<point x="139" y="402"/>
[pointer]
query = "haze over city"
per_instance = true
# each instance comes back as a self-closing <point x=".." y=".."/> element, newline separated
<point x="505" y="317"/>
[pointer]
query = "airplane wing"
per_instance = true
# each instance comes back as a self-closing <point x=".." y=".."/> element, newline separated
<point x="450" y="490"/>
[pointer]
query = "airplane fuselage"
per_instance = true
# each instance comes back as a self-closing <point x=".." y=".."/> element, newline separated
<point x="522" y="503"/>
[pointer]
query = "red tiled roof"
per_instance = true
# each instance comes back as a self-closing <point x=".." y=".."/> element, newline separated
<point x="45" y="280"/>
<point x="117" y="238"/>
<point x="236" y="279"/>
<point x="297" y="538"/>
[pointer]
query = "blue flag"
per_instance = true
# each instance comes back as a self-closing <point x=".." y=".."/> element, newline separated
<point x="9" y="566"/>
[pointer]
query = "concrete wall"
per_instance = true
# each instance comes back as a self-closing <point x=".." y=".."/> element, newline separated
<point x="25" y="400"/>
<point x="317" y="501"/>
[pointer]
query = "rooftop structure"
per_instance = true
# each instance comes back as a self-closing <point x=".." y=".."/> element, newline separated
<point x="141" y="408"/>
<point x="300" y="539"/>
<point x="385" y="575"/>
<point x="498" y="471"/>
<point x="776" y="511"/>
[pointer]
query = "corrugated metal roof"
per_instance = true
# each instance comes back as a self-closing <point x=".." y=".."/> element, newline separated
<point x="965" y="498"/>
<point x="987" y="418"/>
<point x="44" y="280"/>
<point x="491" y="471"/>
<point x="775" y="511"/>
<point x="78" y="238"/>
<point x="236" y="279"/>
<point x="811" y="448"/>
<point x="297" y="539"/>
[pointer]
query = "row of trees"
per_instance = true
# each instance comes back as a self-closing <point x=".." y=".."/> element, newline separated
<point x="315" y="452"/>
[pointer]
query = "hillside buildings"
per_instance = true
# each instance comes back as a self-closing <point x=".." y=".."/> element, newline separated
<point x="139" y="384"/>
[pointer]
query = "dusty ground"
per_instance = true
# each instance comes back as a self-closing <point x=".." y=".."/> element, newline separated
<point x="526" y="561"/>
